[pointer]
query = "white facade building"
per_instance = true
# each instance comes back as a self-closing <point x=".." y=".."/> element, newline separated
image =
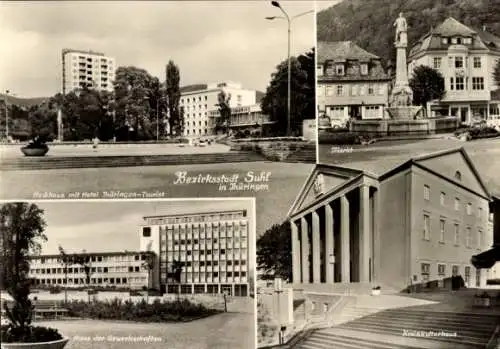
<point x="213" y="248"/>
<point x="108" y="269"/>
<point x="466" y="58"/>
<point x="87" y="69"/>
<point x="198" y="101"/>
<point x="248" y="117"/>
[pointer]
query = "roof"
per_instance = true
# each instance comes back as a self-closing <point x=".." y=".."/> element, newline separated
<point x="194" y="87"/>
<point x="182" y="214"/>
<point x="115" y="253"/>
<point x="451" y="27"/>
<point x="338" y="50"/>
<point x="482" y="40"/>
<point x="416" y="160"/>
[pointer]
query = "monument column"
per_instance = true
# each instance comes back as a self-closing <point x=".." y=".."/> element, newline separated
<point x="295" y="253"/>
<point x="305" y="250"/>
<point x="329" y="245"/>
<point x="345" y="253"/>
<point x="316" y="260"/>
<point x="401" y="94"/>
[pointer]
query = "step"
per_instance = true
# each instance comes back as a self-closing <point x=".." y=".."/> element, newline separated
<point x="339" y="341"/>
<point x="398" y="339"/>
<point x="472" y="341"/>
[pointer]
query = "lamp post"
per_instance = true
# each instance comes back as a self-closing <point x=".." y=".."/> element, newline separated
<point x="289" y="84"/>
<point x="157" y="116"/>
<point x="278" y="289"/>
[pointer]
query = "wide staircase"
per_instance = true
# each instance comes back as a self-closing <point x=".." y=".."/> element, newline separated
<point x="47" y="162"/>
<point x="397" y="322"/>
<point x="306" y="154"/>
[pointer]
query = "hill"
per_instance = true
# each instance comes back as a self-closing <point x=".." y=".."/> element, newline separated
<point x="369" y="23"/>
<point x="23" y="102"/>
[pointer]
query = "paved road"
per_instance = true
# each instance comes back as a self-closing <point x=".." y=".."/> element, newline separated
<point x="223" y="331"/>
<point x="484" y="153"/>
<point x="82" y="150"/>
<point x="273" y="201"/>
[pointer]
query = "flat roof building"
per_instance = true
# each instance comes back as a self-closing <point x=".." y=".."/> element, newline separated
<point x="212" y="247"/>
<point x="120" y="270"/>
<point x="87" y="69"/>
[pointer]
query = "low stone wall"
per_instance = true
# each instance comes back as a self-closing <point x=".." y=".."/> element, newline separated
<point x="391" y="127"/>
<point x="273" y="149"/>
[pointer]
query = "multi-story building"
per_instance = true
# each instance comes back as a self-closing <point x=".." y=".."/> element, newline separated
<point x="466" y="58"/>
<point x="422" y="221"/>
<point x="243" y="119"/>
<point x="198" y="101"/>
<point x="351" y="83"/>
<point x="87" y="69"/>
<point x="213" y="248"/>
<point x="108" y="269"/>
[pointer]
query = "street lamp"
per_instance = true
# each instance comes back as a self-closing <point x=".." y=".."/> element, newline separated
<point x="157" y="116"/>
<point x="278" y="289"/>
<point x="289" y="21"/>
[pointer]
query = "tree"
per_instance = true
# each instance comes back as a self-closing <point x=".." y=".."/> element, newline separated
<point x="274" y="102"/>
<point x="85" y="261"/>
<point x="496" y="73"/>
<point x="66" y="260"/>
<point x="224" y="104"/>
<point x="427" y="85"/>
<point x="149" y="265"/>
<point x="133" y="87"/>
<point x="175" y="273"/>
<point x="22" y="230"/>
<point x="172" y="84"/>
<point x="274" y="257"/>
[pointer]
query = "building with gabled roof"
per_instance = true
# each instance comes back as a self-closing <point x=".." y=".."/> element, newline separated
<point x="466" y="58"/>
<point x="415" y="224"/>
<point x="351" y="83"/>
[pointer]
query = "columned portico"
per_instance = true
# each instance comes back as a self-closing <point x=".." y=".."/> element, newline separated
<point x="337" y="233"/>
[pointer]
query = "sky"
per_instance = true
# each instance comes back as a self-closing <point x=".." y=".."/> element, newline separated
<point x="113" y="225"/>
<point x="210" y="41"/>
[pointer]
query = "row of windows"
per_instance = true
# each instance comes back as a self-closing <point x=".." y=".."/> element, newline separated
<point x="93" y="281"/>
<point x="228" y="254"/>
<point x="176" y="232"/>
<point x="456" y="206"/>
<point x="425" y="271"/>
<point x="339" y="69"/>
<point x="456" y="40"/>
<point x="198" y="219"/>
<point x="76" y="270"/>
<point x="353" y="90"/>
<point x="460" y="83"/>
<point x="457" y="62"/>
<point x="194" y="99"/>
<point x="456" y="232"/>
<point x="197" y="264"/>
<point x="96" y="258"/>
<point x="208" y="241"/>
<point x="202" y="276"/>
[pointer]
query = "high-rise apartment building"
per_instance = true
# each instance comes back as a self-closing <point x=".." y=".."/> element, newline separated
<point x="87" y="69"/>
<point x="212" y="248"/>
<point x="198" y="101"/>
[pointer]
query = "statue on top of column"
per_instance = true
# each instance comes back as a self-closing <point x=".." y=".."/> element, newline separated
<point x="401" y="29"/>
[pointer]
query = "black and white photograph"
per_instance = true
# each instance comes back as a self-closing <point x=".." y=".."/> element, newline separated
<point x="120" y="96"/>
<point x="392" y="241"/>
<point x="128" y="273"/>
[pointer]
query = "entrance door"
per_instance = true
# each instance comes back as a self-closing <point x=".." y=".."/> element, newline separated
<point x="478" y="277"/>
<point x="464" y="112"/>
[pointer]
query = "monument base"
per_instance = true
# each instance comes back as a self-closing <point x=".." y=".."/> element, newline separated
<point x="405" y="113"/>
<point x="403" y="127"/>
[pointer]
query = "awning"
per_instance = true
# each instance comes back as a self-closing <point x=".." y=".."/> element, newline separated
<point x="486" y="259"/>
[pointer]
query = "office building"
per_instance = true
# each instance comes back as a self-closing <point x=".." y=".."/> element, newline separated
<point x="198" y="101"/>
<point x="212" y="247"/>
<point x="352" y="83"/>
<point x="120" y="270"/>
<point x="466" y="58"/>
<point x="87" y="69"/>
<point x="419" y="222"/>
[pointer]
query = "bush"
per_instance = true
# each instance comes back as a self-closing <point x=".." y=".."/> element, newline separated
<point x="166" y="311"/>
<point x="340" y="138"/>
<point x="35" y="334"/>
<point x="483" y="132"/>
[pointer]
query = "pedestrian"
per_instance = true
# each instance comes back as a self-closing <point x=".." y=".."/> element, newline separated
<point x="96" y="143"/>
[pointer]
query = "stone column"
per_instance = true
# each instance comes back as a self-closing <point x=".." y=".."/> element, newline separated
<point x="295" y="254"/>
<point x="376" y="237"/>
<point x="305" y="251"/>
<point x="345" y="253"/>
<point x="316" y="248"/>
<point x="329" y="244"/>
<point x="364" y="233"/>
